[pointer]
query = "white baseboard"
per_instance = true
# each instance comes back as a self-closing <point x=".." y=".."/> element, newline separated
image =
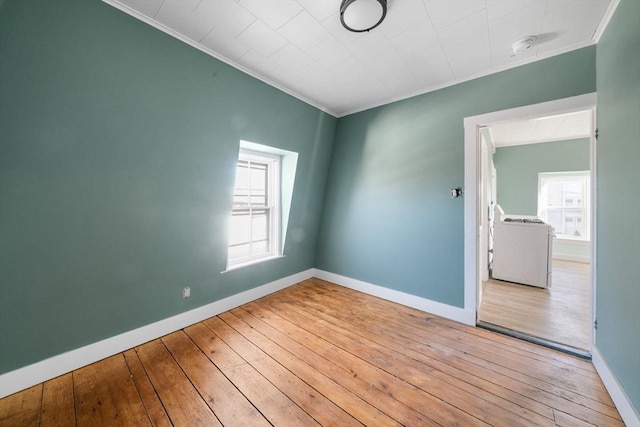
<point x="628" y="413"/>
<point x="468" y="317"/>
<point x="22" y="378"/>
<point x="620" y="399"/>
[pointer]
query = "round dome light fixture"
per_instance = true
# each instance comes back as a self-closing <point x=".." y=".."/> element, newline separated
<point x="523" y="45"/>
<point x="362" y="15"/>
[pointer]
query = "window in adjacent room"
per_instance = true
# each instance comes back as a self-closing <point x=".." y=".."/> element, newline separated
<point x="563" y="202"/>
<point x="255" y="217"/>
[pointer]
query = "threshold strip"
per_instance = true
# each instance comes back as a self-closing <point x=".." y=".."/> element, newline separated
<point x="574" y="351"/>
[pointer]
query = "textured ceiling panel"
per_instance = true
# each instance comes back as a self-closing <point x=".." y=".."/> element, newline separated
<point x="422" y="45"/>
<point x="542" y="129"/>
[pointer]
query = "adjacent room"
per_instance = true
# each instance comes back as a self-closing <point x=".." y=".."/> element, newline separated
<point x="537" y="182"/>
<point x="294" y="212"/>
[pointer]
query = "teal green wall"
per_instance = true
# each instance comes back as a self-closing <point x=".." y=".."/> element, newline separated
<point x="117" y="146"/>
<point x="517" y="180"/>
<point x="388" y="216"/>
<point x="618" y="180"/>
<point x="117" y="153"/>
<point x="518" y="168"/>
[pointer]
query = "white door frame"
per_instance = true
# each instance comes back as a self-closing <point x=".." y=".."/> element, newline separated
<point x="472" y="184"/>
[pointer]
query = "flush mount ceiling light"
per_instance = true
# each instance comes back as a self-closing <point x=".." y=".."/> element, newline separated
<point x="362" y="15"/>
<point x="523" y="45"/>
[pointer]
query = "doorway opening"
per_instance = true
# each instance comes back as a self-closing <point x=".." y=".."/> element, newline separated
<point x="530" y="222"/>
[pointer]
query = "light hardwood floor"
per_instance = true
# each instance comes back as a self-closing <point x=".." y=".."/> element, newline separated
<point x="320" y="354"/>
<point x="561" y="313"/>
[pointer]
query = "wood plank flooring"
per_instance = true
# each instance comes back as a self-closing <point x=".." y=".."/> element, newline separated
<point x="561" y="313"/>
<point x="317" y="354"/>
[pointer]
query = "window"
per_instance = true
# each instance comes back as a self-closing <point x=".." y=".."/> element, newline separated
<point x="563" y="202"/>
<point x="255" y="216"/>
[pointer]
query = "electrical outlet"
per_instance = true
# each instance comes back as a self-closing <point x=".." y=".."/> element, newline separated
<point x="186" y="292"/>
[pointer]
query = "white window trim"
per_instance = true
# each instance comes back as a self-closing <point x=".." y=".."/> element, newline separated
<point x="273" y="204"/>
<point x="584" y="176"/>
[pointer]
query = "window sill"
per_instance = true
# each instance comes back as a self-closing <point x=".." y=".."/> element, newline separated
<point x="250" y="263"/>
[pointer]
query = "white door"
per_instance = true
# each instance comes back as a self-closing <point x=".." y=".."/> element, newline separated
<point x="483" y="254"/>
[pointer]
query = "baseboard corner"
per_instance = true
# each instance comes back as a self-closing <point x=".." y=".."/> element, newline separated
<point x="620" y="398"/>
<point x="467" y="317"/>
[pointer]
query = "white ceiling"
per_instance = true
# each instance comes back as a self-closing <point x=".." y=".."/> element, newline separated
<point x="558" y="127"/>
<point x="300" y="47"/>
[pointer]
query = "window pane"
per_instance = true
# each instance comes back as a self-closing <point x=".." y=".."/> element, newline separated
<point x="259" y="176"/>
<point x="573" y="222"/>
<point x="564" y="203"/>
<point x="241" y="189"/>
<point x="240" y="251"/>
<point x="242" y="175"/>
<point x="258" y="184"/>
<point x="260" y="223"/>
<point x="251" y="230"/>
<point x="258" y="199"/>
<point x="554" y="194"/>
<point x="554" y="218"/>
<point x="240" y="199"/>
<point x="240" y="230"/>
<point x="260" y="247"/>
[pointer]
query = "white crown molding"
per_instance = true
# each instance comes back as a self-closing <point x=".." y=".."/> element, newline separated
<point x="511" y="66"/>
<point x="620" y="398"/>
<point x="36" y="373"/>
<point x="605" y="20"/>
<point x="468" y="317"/>
<point x="172" y="33"/>
<point x="163" y="28"/>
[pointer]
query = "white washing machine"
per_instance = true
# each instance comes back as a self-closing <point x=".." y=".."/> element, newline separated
<point x="522" y="250"/>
